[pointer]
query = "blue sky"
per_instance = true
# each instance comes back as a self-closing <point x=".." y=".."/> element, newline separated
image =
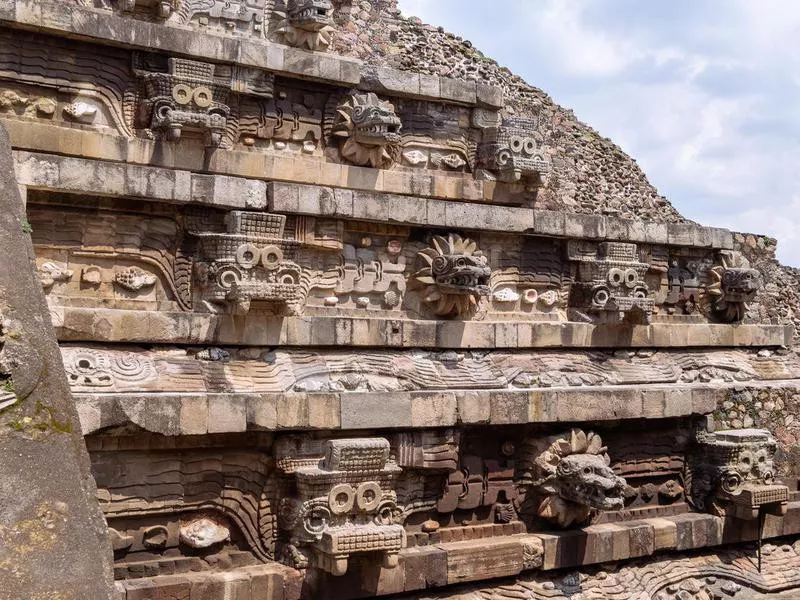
<point x="705" y="94"/>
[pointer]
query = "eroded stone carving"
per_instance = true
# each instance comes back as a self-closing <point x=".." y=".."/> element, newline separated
<point x="731" y="286"/>
<point x="512" y="152"/>
<point x="307" y="23"/>
<point x="454" y="277"/>
<point x="610" y="281"/>
<point x="186" y="95"/>
<point x="195" y="498"/>
<point x="243" y="16"/>
<point x="252" y="261"/>
<point x="162" y="9"/>
<point x="184" y="98"/>
<point x="732" y="473"/>
<point x="87" y="368"/>
<point x="370" y="131"/>
<point x="203" y="532"/>
<point x="50" y="273"/>
<point x="567" y="477"/>
<point x="134" y="279"/>
<point x="345" y="504"/>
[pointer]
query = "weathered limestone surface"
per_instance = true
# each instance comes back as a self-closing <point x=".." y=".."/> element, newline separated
<point x="52" y="535"/>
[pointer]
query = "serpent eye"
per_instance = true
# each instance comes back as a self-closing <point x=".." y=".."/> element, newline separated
<point x="588" y="470"/>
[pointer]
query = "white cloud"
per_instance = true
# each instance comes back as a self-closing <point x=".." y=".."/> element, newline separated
<point x="702" y="94"/>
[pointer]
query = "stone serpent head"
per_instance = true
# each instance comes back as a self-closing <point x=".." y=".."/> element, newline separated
<point x="371" y="130"/>
<point x="310" y="15"/>
<point x="730" y="287"/>
<point x="455" y="275"/>
<point x="570" y="477"/>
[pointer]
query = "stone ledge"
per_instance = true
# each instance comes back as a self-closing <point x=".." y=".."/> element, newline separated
<point x="70" y="174"/>
<point x="597" y="544"/>
<point x="412" y="210"/>
<point x="52" y="143"/>
<point x="477" y="559"/>
<point x="103" y="26"/>
<point x="185" y="413"/>
<point x="55" y="173"/>
<point x="75" y="324"/>
<point x="384" y="80"/>
<point x="270" y="581"/>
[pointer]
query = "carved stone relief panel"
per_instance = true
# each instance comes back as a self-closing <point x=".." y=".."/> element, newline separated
<point x="454" y="276"/>
<point x="513" y="153"/>
<point x="268" y="370"/>
<point x="64" y="82"/>
<point x="92" y="254"/>
<point x="184" y="95"/>
<point x="244" y="17"/>
<point x="732" y="473"/>
<point x="717" y="286"/>
<point x="609" y="282"/>
<point x="345" y="503"/>
<point x="437" y="136"/>
<point x="119" y="254"/>
<point x="190" y="501"/>
<point x="292" y="121"/>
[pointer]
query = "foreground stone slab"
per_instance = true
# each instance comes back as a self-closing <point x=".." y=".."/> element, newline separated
<point x="52" y="536"/>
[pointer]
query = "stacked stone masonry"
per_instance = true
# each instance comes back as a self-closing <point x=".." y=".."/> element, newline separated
<point x="349" y="310"/>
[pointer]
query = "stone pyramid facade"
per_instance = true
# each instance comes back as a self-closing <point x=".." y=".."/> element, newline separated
<point x="349" y="310"/>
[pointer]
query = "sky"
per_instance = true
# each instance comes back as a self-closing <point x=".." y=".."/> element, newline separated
<point x="705" y="94"/>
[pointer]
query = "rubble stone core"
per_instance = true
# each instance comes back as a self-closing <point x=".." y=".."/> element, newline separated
<point x="348" y="310"/>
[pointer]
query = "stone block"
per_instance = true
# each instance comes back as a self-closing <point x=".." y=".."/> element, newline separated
<point x="679" y="402"/>
<point x="705" y="400"/>
<point x="654" y="401"/>
<point x="160" y="588"/>
<point x="391" y="81"/>
<point x="227" y="413"/>
<point x="430" y="86"/>
<point x="262" y="411"/>
<point x="474" y="560"/>
<point x="373" y="410"/>
<point x="599" y="547"/>
<point x="681" y="234"/>
<point x="547" y="222"/>
<point x="642" y="539"/>
<point x="266" y="585"/>
<point x="563" y="549"/>
<point x="194" y="415"/>
<point x="585" y="226"/>
<point x="665" y="534"/>
<point x="473" y="406"/>
<point x="618" y="229"/>
<point x="455" y="90"/>
<point x="697" y="531"/>
<point x="489" y="95"/>
<point x="509" y="407"/>
<point x="323" y="411"/>
<point x="433" y="409"/>
<point x="656" y="233"/>
<point x="292" y="411"/>
<point x="602" y="404"/>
